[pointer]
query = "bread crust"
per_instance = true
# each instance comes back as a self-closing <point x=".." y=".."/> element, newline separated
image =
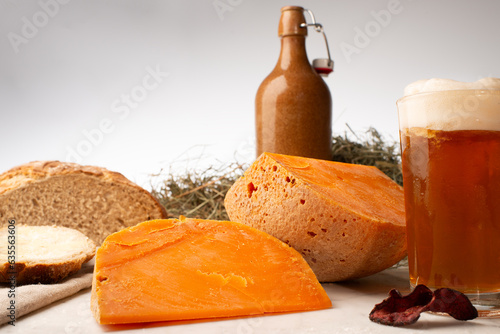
<point x="37" y="172"/>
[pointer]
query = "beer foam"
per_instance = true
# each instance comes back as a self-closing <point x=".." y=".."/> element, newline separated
<point x="437" y="85"/>
<point x="443" y="104"/>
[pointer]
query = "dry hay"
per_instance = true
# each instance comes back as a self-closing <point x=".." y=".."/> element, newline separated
<point x="201" y="194"/>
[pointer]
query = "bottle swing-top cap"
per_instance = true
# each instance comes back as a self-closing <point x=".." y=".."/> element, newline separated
<point x="323" y="66"/>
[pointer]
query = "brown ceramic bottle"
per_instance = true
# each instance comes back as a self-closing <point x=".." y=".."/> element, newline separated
<point x="293" y="104"/>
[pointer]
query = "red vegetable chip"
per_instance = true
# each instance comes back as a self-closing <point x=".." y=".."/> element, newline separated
<point x="400" y="311"/>
<point x="452" y="302"/>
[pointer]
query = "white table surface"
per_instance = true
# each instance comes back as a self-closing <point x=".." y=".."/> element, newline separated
<point x="352" y="302"/>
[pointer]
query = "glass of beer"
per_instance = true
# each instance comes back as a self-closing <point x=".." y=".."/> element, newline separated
<point x="450" y="151"/>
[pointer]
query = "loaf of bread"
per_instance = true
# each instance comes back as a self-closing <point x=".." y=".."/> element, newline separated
<point x="42" y="254"/>
<point x="346" y="220"/>
<point x="93" y="200"/>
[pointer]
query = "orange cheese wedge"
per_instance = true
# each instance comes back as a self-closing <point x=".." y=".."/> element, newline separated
<point x="164" y="270"/>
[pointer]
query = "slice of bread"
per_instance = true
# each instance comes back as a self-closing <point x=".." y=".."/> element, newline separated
<point x="348" y="221"/>
<point x="42" y="254"/>
<point x="93" y="200"/>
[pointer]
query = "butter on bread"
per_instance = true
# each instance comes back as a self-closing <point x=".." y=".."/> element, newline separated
<point x="43" y="254"/>
<point x="91" y="199"/>
<point x="346" y="220"/>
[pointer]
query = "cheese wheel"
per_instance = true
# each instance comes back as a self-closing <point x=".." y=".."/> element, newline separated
<point x="346" y="220"/>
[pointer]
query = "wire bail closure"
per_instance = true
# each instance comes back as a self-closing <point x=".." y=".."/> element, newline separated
<point x="322" y="65"/>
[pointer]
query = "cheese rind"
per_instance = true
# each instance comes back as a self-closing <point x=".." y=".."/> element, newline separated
<point x="194" y="269"/>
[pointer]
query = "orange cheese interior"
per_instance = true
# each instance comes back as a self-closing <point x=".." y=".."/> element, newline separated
<point x="164" y="270"/>
<point x="357" y="188"/>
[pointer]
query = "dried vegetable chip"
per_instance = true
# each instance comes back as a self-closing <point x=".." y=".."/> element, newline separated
<point x="398" y="310"/>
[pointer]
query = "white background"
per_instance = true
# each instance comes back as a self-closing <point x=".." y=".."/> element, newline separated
<point x="66" y="67"/>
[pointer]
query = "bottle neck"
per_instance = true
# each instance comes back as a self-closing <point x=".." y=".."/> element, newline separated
<point x="293" y="52"/>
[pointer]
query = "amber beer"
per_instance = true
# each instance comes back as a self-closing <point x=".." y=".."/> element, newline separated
<point x="450" y="148"/>
<point x="452" y="181"/>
